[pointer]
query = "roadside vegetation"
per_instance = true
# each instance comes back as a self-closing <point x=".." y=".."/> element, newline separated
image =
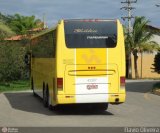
<point x="15" y="86"/>
<point x="157" y="63"/>
<point x="20" y="24"/>
<point x="156" y="68"/>
<point x="14" y="73"/>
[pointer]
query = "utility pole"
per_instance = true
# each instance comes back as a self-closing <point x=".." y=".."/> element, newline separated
<point x="44" y="21"/>
<point x="128" y="7"/>
<point x="44" y="15"/>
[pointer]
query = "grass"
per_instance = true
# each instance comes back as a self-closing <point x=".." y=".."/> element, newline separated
<point x="15" y="86"/>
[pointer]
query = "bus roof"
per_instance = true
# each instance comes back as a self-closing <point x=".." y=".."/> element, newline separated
<point x="85" y="20"/>
<point x="91" y="20"/>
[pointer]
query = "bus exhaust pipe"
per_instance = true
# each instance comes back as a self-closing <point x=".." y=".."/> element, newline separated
<point x="117" y="100"/>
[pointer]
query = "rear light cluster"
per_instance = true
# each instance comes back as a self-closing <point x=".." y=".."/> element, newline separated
<point x="60" y="83"/>
<point x="122" y="81"/>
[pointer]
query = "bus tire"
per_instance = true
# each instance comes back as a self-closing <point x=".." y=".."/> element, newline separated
<point x="32" y="87"/>
<point x="45" y="97"/>
<point x="49" y="100"/>
<point x="55" y="107"/>
<point x="103" y="107"/>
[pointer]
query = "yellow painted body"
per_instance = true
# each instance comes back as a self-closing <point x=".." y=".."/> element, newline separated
<point x="71" y="64"/>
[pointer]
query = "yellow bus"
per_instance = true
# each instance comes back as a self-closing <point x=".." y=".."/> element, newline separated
<point x="79" y="61"/>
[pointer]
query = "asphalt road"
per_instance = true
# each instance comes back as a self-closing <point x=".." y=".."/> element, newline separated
<point x="22" y="109"/>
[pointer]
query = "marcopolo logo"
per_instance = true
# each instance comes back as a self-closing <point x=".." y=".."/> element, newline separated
<point x="9" y="130"/>
<point x="4" y="129"/>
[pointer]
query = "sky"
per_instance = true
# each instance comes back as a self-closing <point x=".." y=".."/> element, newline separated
<point x="54" y="10"/>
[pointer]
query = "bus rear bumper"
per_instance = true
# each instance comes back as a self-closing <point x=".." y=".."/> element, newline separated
<point x="91" y="98"/>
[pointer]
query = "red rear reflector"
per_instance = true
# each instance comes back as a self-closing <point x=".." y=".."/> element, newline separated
<point x="122" y="81"/>
<point x="60" y="83"/>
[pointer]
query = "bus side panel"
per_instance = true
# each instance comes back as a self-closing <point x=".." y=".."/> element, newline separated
<point x="64" y="56"/>
<point x="118" y="55"/>
<point x="43" y="71"/>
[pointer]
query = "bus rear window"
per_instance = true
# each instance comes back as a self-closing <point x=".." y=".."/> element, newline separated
<point x="85" y="34"/>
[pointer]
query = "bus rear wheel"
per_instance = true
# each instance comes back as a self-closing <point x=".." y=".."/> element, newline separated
<point x="45" y="97"/>
<point x="103" y="107"/>
<point x="32" y="87"/>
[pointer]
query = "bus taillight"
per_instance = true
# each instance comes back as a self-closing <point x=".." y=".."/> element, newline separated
<point x="60" y="83"/>
<point x="122" y="81"/>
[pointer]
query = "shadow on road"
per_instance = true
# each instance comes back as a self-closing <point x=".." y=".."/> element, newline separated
<point x="140" y="87"/>
<point x="27" y="102"/>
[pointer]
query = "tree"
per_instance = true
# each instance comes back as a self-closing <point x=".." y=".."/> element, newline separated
<point x="157" y="62"/>
<point x="21" y="24"/>
<point x="128" y="54"/>
<point x="140" y="40"/>
<point x="12" y="66"/>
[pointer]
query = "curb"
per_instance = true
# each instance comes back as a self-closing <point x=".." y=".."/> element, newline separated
<point x="141" y="80"/>
<point x="16" y="91"/>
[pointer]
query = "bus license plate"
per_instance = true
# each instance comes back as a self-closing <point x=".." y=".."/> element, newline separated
<point x="92" y="86"/>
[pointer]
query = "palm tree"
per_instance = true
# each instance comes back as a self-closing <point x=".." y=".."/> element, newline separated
<point x="140" y="40"/>
<point x="21" y="24"/>
<point x="128" y="54"/>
